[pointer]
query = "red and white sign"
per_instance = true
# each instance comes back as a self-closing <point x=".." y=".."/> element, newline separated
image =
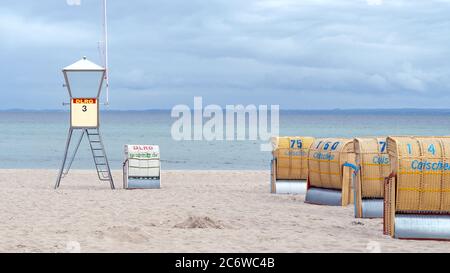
<point x="84" y="112"/>
<point x="84" y="101"/>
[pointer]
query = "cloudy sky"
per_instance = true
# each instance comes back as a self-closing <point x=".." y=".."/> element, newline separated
<point x="300" y="54"/>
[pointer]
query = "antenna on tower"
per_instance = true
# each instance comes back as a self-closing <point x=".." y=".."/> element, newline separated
<point x="102" y="45"/>
<point x="105" y="49"/>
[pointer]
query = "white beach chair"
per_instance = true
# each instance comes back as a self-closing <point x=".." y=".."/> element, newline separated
<point x="142" y="167"/>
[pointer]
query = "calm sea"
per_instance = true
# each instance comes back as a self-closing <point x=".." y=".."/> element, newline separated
<point x="37" y="139"/>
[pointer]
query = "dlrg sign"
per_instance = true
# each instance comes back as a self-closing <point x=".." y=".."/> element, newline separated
<point x="84" y="112"/>
<point x="84" y="101"/>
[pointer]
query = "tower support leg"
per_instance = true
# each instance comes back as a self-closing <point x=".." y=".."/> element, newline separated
<point x="58" y="180"/>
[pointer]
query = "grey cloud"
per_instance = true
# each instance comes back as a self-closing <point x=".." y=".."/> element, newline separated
<point x="163" y="52"/>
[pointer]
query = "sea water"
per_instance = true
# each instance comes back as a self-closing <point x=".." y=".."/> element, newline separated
<point x="37" y="139"/>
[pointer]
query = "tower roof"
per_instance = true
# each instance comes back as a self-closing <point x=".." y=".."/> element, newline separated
<point x="84" y="65"/>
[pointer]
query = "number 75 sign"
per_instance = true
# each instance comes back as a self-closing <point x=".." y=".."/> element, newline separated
<point x="84" y="113"/>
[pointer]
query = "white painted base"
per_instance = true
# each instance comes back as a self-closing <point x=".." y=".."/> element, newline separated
<point x="290" y="187"/>
<point x="324" y="197"/>
<point x="415" y="226"/>
<point x="135" y="183"/>
<point x="372" y="208"/>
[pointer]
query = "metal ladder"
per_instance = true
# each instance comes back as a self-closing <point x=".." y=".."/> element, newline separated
<point x="98" y="153"/>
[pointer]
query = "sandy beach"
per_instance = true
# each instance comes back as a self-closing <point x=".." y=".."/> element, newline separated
<point x="195" y="211"/>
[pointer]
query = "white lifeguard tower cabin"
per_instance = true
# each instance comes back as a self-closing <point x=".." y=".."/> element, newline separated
<point x="84" y="82"/>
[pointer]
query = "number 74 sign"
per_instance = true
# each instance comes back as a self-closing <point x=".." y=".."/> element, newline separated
<point x="84" y="113"/>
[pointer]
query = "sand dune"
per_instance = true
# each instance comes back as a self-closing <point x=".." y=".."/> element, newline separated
<point x="196" y="211"/>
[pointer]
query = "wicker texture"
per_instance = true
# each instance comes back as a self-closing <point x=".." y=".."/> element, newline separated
<point x="291" y="157"/>
<point x="373" y="161"/>
<point x="326" y="158"/>
<point x="389" y="206"/>
<point x="423" y="173"/>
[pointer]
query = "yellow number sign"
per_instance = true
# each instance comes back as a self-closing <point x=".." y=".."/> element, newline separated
<point x="84" y="113"/>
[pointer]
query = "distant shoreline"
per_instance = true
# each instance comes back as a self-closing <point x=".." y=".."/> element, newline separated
<point x="285" y="111"/>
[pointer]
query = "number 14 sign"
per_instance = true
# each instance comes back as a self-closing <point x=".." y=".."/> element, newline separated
<point x="84" y="113"/>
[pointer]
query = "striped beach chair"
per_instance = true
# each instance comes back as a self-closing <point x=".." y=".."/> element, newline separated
<point x="289" y="166"/>
<point x="329" y="178"/>
<point x="373" y="166"/>
<point x="417" y="192"/>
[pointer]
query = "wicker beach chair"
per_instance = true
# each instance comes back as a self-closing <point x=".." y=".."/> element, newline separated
<point x="329" y="178"/>
<point x="373" y="166"/>
<point x="289" y="166"/>
<point x="417" y="193"/>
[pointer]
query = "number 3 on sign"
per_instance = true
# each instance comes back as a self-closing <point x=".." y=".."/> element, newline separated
<point x="84" y="112"/>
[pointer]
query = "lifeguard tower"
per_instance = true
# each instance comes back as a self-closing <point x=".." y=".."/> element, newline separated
<point x="84" y="82"/>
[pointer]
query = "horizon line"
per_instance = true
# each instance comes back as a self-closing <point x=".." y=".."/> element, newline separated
<point x="281" y="110"/>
